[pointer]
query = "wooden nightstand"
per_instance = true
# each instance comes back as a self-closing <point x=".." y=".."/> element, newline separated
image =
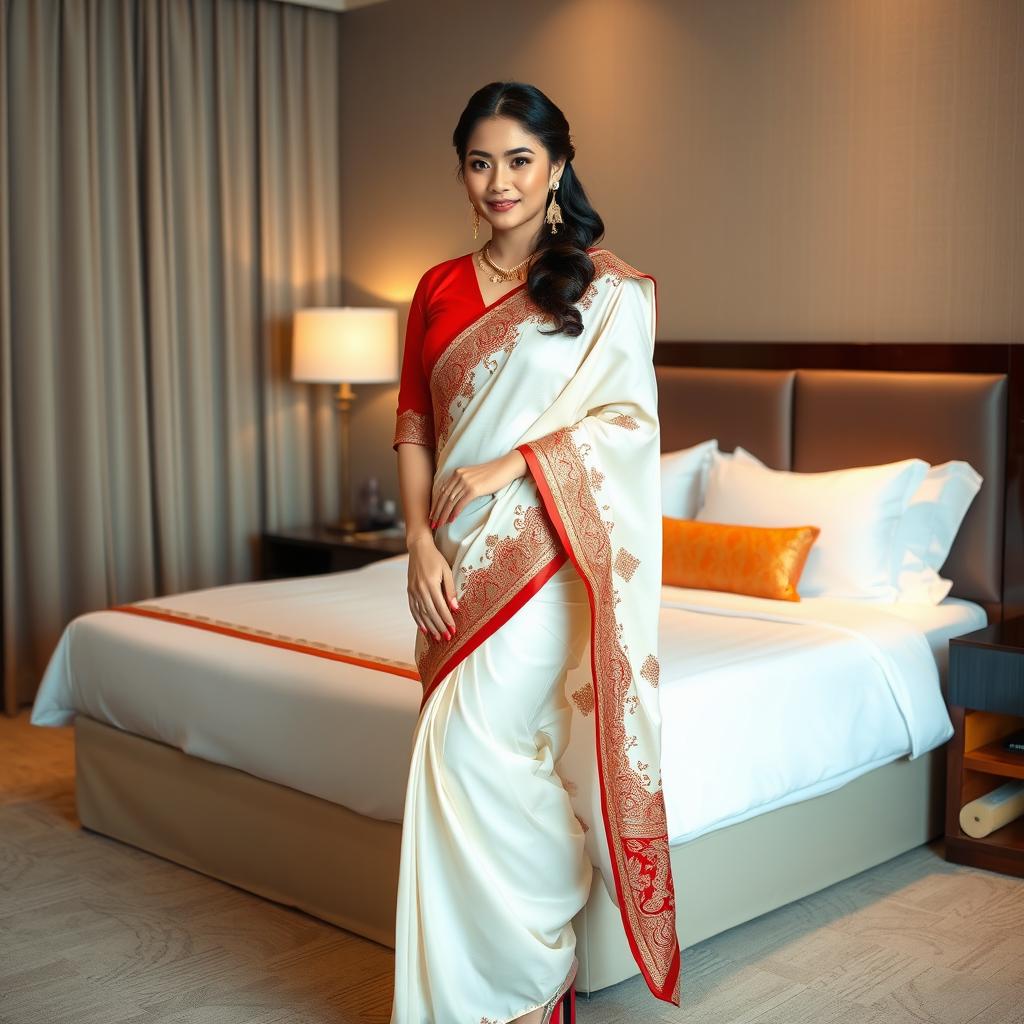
<point x="986" y="702"/>
<point x="311" y="550"/>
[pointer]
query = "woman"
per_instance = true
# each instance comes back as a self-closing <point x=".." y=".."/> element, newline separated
<point x="528" y="455"/>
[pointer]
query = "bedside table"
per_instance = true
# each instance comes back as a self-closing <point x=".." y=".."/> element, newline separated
<point x="985" y="696"/>
<point x="311" y="550"/>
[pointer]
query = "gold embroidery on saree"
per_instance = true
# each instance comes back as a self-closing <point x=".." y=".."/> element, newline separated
<point x="605" y="264"/>
<point x="497" y="330"/>
<point x="651" y="669"/>
<point x="451" y="379"/>
<point x="636" y="819"/>
<point x="623" y="420"/>
<point x="510" y="563"/>
<point x="639" y="840"/>
<point x="583" y="698"/>
<point x="586" y="300"/>
<point x="626" y="563"/>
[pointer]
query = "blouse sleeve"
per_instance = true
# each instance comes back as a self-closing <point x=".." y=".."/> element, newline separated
<point x="414" y="420"/>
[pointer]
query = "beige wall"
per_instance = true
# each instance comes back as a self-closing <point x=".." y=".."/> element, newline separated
<point x="798" y="169"/>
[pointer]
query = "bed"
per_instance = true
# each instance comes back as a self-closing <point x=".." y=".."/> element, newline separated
<point x="233" y="729"/>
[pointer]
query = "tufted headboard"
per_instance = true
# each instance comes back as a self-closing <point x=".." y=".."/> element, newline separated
<point x="812" y="407"/>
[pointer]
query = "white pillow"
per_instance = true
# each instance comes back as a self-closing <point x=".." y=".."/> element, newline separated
<point x="857" y="511"/>
<point x="928" y="528"/>
<point x="745" y="456"/>
<point x="684" y="476"/>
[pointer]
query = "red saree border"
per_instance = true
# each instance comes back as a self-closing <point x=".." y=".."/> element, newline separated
<point x="667" y="986"/>
<point x="493" y="622"/>
<point x="495" y="328"/>
<point x="634" y="818"/>
<point x="272" y="640"/>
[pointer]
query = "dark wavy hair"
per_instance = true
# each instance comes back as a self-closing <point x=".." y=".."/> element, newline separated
<point x="562" y="269"/>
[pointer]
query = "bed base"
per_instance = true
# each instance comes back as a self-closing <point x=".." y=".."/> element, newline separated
<point x="342" y="867"/>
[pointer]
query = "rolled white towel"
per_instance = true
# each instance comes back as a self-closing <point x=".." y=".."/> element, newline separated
<point x="983" y="816"/>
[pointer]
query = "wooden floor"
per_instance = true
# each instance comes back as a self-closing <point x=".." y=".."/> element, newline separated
<point x="96" y="932"/>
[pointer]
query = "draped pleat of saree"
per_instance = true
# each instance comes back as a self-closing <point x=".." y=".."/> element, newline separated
<point x="497" y="854"/>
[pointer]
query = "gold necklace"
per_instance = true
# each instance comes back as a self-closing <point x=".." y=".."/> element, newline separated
<point x="500" y="273"/>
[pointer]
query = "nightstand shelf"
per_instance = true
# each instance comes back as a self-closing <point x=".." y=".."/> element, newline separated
<point x="313" y="550"/>
<point x="1011" y="837"/>
<point x="992" y="759"/>
<point x="986" y="704"/>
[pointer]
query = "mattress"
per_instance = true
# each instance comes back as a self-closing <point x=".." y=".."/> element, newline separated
<point x="762" y="704"/>
<point x="768" y="702"/>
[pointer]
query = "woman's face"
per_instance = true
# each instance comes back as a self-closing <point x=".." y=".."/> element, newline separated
<point x="505" y="162"/>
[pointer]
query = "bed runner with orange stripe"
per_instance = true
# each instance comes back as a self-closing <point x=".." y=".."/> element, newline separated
<point x="264" y="636"/>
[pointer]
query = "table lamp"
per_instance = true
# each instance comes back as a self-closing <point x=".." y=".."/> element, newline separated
<point x="345" y="345"/>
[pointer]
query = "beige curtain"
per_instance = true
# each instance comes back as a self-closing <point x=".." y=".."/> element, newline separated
<point x="168" y="196"/>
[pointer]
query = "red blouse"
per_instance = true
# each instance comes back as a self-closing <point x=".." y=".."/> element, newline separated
<point x="446" y="301"/>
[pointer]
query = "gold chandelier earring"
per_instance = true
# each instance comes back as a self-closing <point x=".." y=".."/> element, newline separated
<point x="554" y="213"/>
<point x="476" y="218"/>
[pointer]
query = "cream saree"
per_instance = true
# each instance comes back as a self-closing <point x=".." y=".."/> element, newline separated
<point x="579" y="532"/>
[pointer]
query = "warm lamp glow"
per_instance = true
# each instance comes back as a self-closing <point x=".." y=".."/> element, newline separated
<point x="345" y="343"/>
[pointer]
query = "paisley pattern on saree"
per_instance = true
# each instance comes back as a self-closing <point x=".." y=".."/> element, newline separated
<point x="583" y="697"/>
<point x="451" y="380"/>
<point x="568" y="523"/>
<point x="638" y="837"/>
<point x="486" y="590"/>
<point x="498" y="330"/>
<point x="650" y="669"/>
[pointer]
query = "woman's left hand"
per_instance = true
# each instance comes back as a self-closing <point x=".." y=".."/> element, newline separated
<point x="465" y="483"/>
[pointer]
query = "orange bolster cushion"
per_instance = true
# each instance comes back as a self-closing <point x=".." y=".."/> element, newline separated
<point x="762" y="561"/>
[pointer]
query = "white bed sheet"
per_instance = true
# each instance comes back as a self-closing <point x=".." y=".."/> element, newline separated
<point x="801" y="699"/>
<point x="757" y="712"/>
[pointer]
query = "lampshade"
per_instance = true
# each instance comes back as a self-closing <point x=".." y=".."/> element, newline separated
<point x="331" y="344"/>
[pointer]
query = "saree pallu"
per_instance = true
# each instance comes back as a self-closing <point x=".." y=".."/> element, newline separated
<point x="585" y="520"/>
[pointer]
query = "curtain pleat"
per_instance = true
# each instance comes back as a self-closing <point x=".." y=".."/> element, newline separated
<point x="168" y="197"/>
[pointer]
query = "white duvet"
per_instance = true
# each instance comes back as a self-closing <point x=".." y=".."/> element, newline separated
<point x="763" y="702"/>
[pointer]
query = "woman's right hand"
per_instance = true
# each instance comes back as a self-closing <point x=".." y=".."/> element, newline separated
<point x="431" y="588"/>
